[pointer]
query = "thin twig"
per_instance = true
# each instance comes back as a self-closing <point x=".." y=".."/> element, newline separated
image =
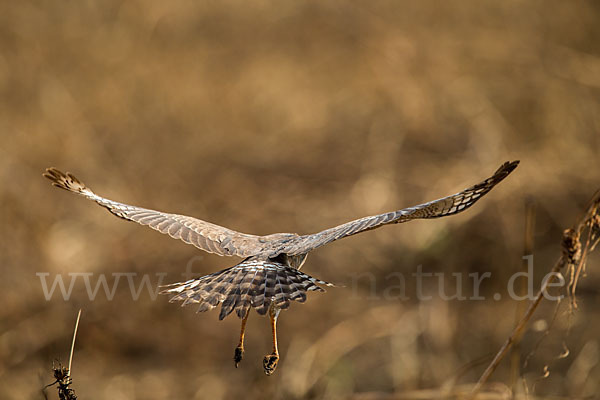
<point x="517" y="331"/>
<point x="528" y="243"/>
<point x="62" y="375"/>
<point x="73" y="342"/>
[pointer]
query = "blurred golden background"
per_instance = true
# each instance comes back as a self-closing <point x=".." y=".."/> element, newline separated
<point x="281" y="116"/>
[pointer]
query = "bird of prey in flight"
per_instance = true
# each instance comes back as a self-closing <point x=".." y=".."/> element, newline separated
<point x="269" y="276"/>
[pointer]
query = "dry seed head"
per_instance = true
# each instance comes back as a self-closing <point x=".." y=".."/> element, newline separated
<point x="571" y="246"/>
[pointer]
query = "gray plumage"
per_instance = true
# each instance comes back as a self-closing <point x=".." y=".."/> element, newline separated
<point x="270" y="272"/>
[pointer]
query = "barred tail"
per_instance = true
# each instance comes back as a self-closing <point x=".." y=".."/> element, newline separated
<point x="252" y="283"/>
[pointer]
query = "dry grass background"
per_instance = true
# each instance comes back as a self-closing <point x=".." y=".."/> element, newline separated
<point x="273" y="116"/>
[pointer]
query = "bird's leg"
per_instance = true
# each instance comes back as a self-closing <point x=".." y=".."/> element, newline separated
<point x="270" y="360"/>
<point x="239" y="350"/>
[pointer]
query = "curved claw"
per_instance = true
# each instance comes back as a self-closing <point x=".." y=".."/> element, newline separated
<point x="239" y="355"/>
<point x="270" y="363"/>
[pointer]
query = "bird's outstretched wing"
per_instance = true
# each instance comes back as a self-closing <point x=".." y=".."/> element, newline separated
<point x="204" y="235"/>
<point x="434" y="209"/>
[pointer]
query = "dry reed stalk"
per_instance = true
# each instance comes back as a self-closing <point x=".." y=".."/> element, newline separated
<point x="62" y="375"/>
<point x="528" y="242"/>
<point x="574" y="257"/>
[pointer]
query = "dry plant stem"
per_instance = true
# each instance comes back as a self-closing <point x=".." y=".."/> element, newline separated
<point x="571" y="257"/>
<point x="577" y="273"/>
<point x="62" y="375"/>
<point x="528" y="241"/>
<point x="73" y="342"/>
<point x="517" y="331"/>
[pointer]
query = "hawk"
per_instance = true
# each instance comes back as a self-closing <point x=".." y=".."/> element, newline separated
<point x="269" y="277"/>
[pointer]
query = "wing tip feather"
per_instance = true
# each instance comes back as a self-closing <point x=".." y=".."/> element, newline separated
<point x="66" y="181"/>
<point x="506" y="168"/>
